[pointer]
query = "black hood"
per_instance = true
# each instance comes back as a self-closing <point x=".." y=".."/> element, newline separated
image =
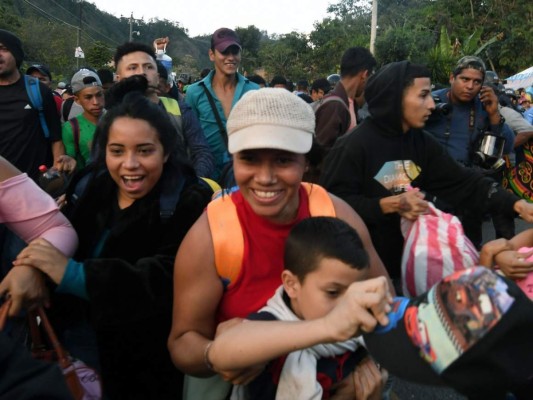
<point x="384" y="93"/>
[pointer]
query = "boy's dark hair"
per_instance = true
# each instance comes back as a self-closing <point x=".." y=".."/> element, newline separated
<point x="414" y="71"/>
<point x="355" y="60"/>
<point x="105" y="75"/>
<point x="117" y="92"/>
<point x="278" y="80"/>
<point x="314" y="239"/>
<point x="257" y="79"/>
<point x="321" y="83"/>
<point x="132" y="47"/>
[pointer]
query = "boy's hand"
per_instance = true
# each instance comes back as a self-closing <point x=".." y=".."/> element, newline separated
<point x="364" y="305"/>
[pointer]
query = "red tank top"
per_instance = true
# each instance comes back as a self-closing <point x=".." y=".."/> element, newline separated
<point x="260" y="274"/>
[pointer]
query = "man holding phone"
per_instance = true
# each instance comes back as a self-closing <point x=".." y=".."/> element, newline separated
<point x="461" y="127"/>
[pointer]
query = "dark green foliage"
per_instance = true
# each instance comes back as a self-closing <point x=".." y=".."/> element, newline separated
<point x="432" y="32"/>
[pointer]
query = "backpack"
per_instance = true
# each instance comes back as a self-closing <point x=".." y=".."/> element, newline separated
<point x="33" y="89"/>
<point x="226" y="230"/>
<point x="67" y="106"/>
<point x="315" y="105"/>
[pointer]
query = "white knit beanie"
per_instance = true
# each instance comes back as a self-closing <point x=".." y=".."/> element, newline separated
<point x="271" y="118"/>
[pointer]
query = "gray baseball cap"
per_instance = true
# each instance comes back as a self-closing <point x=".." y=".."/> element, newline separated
<point x="84" y="78"/>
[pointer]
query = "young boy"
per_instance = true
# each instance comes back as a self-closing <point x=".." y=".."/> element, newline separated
<point x="78" y="132"/>
<point x="323" y="258"/>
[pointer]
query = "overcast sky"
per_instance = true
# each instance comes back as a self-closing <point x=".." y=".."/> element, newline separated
<point x="205" y="16"/>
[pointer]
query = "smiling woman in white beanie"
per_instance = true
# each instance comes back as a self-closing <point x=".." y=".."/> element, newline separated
<point x="230" y="262"/>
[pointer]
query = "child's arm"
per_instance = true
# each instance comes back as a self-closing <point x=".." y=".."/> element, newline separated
<point x="522" y="239"/>
<point x="490" y="249"/>
<point x="254" y="342"/>
<point x="504" y="253"/>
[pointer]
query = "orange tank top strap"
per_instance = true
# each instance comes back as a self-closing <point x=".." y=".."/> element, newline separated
<point x="227" y="235"/>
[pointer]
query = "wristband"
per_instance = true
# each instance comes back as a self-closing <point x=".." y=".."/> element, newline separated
<point x="206" y="356"/>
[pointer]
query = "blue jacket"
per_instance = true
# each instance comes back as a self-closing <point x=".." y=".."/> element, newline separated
<point x="453" y="133"/>
<point x="199" y="103"/>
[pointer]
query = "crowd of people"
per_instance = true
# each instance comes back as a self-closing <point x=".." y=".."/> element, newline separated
<point x="171" y="288"/>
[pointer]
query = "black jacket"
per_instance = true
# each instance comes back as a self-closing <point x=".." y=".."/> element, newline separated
<point x="130" y="281"/>
<point x="378" y="159"/>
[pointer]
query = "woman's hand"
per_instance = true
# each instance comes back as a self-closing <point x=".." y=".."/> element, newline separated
<point x="514" y="264"/>
<point x="26" y="287"/>
<point x="42" y="255"/>
<point x="365" y="383"/>
<point x="412" y="204"/>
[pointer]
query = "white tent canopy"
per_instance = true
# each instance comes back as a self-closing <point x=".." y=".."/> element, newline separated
<point x="521" y="80"/>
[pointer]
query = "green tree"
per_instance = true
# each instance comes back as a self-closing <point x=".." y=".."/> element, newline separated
<point x="332" y="37"/>
<point x="50" y="44"/>
<point x="98" y="55"/>
<point x="250" y="38"/>
<point x="288" y="55"/>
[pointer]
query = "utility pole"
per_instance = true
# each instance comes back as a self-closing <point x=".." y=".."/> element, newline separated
<point x="78" y="41"/>
<point x="132" y="20"/>
<point x="374" y="25"/>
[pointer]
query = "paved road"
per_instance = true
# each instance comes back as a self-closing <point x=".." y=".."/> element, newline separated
<point x="408" y="391"/>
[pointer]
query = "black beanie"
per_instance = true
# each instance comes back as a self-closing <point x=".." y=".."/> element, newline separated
<point x="13" y="44"/>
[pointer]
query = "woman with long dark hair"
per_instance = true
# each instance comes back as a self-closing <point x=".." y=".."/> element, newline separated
<point x="131" y="209"/>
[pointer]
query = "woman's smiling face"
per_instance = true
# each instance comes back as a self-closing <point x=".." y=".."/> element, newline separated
<point x="269" y="180"/>
<point x="134" y="158"/>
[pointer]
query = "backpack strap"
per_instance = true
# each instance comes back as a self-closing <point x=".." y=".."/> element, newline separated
<point x="66" y="107"/>
<point x="320" y="204"/>
<point x="169" y="198"/>
<point x="74" y="123"/>
<point x="34" y="93"/>
<point x="328" y="99"/>
<point x="221" y="127"/>
<point x="227" y="235"/>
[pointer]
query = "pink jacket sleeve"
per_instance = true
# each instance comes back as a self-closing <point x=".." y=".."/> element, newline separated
<point x="31" y="213"/>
